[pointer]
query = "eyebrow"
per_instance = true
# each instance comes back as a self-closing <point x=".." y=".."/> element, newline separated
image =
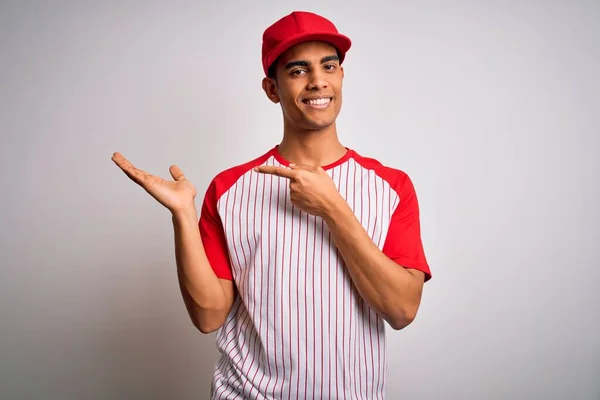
<point x="325" y="59"/>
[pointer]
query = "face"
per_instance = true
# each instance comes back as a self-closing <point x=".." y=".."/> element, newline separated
<point x="308" y="85"/>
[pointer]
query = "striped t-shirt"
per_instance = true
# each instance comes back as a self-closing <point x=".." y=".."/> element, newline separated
<point x="298" y="328"/>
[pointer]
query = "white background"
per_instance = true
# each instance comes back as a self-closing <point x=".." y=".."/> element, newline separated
<point x="490" y="107"/>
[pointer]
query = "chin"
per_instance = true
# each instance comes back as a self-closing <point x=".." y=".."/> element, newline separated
<point x="318" y="125"/>
<point x="310" y="122"/>
<point x="306" y="121"/>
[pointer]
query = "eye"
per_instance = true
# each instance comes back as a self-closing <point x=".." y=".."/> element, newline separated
<point x="298" y="72"/>
<point x="330" y="67"/>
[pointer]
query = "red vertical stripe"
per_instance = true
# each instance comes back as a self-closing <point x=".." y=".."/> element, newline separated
<point x="268" y="362"/>
<point x="345" y="273"/>
<point x="274" y="287"/>
<point x="337" y="322"/>
<point x="331" y="311"/>
<point x="306" y="308"/>
<point x="281" y="316"/>
<point x="314" y="311"/>
<point x="363" y="305"/>
<point x="290" y="297"/>
<point x="298" y="303"/>
<point x="322" y="312"/>
<point x="356" y="353"/>
<point x="352" y="307"/>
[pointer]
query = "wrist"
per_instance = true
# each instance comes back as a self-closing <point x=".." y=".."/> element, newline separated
<point x="185" y="212"/>
<point x="337" y="209"/>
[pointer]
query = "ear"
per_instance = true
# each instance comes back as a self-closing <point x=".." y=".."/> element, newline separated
<point x="269" y="85"/>
<point x="342" y="69"/>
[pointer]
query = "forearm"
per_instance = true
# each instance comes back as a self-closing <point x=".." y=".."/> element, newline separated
<point x="204" y="296"/>
<point x="390" y="290"/>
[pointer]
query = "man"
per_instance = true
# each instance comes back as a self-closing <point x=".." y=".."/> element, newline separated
<point x="301" y="254"/>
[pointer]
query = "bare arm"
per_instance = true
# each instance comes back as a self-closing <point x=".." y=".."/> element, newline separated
<point x="391" y="290"/>
<point x="207" y="298"/>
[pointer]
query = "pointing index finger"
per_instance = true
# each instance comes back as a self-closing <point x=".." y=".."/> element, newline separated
<point x="278" y="171"/>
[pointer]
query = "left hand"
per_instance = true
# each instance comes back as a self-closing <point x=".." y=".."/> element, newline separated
<point x="311" y="188"/>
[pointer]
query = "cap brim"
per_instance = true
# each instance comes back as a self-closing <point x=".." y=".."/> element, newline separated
<point x="339" y="41"/>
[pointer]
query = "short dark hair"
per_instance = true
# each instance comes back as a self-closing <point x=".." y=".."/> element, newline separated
<point x="273" y="68"/>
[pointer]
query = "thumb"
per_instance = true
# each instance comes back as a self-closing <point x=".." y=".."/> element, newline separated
<point x="176" y="173"/>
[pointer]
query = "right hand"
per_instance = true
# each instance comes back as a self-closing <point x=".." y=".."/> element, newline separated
<point x="175" y="195"/>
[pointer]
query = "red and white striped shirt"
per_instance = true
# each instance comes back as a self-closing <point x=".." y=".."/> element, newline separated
<point x="298" y="328"/>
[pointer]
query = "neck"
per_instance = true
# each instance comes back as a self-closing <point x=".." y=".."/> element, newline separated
<point x="314" y="148"/>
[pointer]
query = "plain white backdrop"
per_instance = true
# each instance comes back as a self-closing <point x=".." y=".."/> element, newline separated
<point x="490" y="107"/>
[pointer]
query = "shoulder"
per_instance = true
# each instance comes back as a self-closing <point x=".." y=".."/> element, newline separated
<point x="225" y="179"/>
<point x="396" y="178"/>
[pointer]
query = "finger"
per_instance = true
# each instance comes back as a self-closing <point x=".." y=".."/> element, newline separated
<point x="176" y="173"/>
<point x="278" y="171"/>
<point x="123" y="163"/>
<point x="135" y="174"/>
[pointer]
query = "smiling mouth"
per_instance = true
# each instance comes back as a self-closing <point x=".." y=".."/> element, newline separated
<point x="318" y="103"/>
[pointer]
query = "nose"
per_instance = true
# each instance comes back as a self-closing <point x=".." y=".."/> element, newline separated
<point x="317" y="81"/>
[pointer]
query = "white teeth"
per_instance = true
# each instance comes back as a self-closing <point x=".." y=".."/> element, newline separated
<point x="318" y="102"/>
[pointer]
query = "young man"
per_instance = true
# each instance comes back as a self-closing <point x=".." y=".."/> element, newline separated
<point x="300" y="255"/>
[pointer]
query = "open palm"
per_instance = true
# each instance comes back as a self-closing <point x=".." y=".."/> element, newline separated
<point x="174" y="195"/>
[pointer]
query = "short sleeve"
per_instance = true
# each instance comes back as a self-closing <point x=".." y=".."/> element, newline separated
<point x="213" y="235"/>
<point x="403" y="243"/>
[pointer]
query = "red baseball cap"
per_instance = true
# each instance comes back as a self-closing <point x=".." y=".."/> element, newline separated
<point x="298" y="27"/>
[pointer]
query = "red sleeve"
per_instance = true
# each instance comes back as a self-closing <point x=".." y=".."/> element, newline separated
<point x="213" y="236"/>
<point x="403" y="242"/>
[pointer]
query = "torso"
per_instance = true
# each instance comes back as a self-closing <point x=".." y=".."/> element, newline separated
<point x="298" y="328"/>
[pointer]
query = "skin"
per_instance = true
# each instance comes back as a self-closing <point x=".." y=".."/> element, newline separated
<point x="309" y="135"/>
<point x="310" y="139"/>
